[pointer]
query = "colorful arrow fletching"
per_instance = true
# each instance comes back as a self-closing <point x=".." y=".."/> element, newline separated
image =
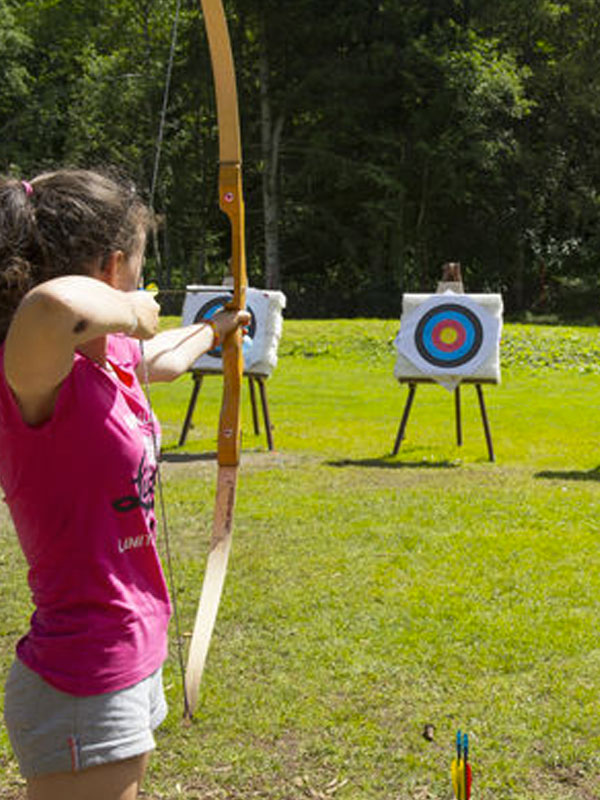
<point x="460" y="770"/>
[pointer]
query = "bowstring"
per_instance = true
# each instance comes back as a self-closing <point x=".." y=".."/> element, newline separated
<point x="161" y="128"/>
<point x="164" y="524"/>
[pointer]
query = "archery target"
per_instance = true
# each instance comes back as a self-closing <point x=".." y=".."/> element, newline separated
<point x="260" y="343"/>
<point x="447" y="337"/>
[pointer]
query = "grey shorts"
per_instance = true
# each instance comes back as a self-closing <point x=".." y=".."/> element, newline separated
<point x="51" y="731"/>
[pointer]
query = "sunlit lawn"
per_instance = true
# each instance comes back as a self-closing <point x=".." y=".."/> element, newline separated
<point x="370" y="595"/>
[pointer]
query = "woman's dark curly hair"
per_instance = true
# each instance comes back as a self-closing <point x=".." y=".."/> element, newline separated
<point x="62" y="223"/>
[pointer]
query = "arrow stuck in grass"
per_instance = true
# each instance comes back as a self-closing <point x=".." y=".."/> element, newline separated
<point x="461" y="769"/>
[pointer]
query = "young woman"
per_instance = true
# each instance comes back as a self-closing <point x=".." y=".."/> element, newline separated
<point x="78" y="469"/>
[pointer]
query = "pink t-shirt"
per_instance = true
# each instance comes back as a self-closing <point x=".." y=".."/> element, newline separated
<point x="80" y="489"/>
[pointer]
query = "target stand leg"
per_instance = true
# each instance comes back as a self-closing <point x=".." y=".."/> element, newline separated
<point x="265" y="409"/>
<point x="486" y="424"/>
<point x="260" y="380"/>
<point x="190" y="409"/>
<point x="255" y="420"/>
<point x="459" y="439"/>
<point x="412" y="388"/>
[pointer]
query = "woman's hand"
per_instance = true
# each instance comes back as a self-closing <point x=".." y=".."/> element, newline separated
<point x="227" y="321"/>
<point x="145" y="315"/>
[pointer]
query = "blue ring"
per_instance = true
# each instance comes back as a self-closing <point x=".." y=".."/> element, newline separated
<point x="424" y="335"/>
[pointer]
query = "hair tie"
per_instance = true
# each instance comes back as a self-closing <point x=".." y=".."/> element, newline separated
<point x="27" y="187"/>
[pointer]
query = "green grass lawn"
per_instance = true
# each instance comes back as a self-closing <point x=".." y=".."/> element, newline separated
<point x="371" y="595"/>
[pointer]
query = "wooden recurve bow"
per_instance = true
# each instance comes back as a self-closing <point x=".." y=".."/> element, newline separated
<point x="228" y="455"/>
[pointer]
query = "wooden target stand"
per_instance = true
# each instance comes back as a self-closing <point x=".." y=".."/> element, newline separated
<point x="451" y="279"/>
<point x="412" y="388"/>
<point x="254" y="379"/>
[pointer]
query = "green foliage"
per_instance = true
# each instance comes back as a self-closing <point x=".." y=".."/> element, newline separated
<point x="15" y="82"/>
<point x="539" y="347"/>
<point x="412" y="134"/>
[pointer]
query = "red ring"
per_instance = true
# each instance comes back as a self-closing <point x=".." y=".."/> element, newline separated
<point x="441" y="326"/>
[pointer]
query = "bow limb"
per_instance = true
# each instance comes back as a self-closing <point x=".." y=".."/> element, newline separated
<point x="228" y="455"/>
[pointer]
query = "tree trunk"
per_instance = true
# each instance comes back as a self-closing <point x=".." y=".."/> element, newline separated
<point x="270" y="139"/>
<point x="421" y="238"/>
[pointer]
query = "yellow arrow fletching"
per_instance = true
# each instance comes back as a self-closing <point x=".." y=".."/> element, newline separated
<point x="455" y="778"/>
<point x="458" y="779"/>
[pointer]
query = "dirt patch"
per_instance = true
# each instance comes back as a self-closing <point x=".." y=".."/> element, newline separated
<point x="572" y="783"/>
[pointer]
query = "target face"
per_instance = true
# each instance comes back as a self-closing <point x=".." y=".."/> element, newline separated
<point x="448" y="335"/>
<point x="209" y="309"/>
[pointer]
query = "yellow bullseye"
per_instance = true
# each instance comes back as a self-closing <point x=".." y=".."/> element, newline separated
<point x="448" y="335"/>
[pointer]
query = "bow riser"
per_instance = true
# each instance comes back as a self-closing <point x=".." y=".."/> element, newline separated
<point x="232" y="204"/>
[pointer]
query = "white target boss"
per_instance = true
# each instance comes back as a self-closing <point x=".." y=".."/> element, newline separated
<point x="260" y="343"/>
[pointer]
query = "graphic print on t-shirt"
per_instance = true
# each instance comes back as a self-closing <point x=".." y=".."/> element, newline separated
<point x="143" y="498"/>
<point x="144" y="483"/>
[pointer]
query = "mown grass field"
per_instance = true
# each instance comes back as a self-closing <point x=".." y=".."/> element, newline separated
<point x="371" y="595"/>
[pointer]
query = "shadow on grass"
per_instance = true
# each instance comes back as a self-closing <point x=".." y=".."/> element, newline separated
<point x="385" y="463"/>
<point x="570" y="475"/>
<point x="186" y="458"/>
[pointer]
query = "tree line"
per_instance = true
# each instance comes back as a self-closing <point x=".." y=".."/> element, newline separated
<point x="381" y="139"/>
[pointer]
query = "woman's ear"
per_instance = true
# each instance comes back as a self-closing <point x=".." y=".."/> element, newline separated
<point x="111" y="271"/>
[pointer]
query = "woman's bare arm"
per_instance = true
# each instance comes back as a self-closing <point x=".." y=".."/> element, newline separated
<point x="55" y="318"/>
<point x="170" y="353"/>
